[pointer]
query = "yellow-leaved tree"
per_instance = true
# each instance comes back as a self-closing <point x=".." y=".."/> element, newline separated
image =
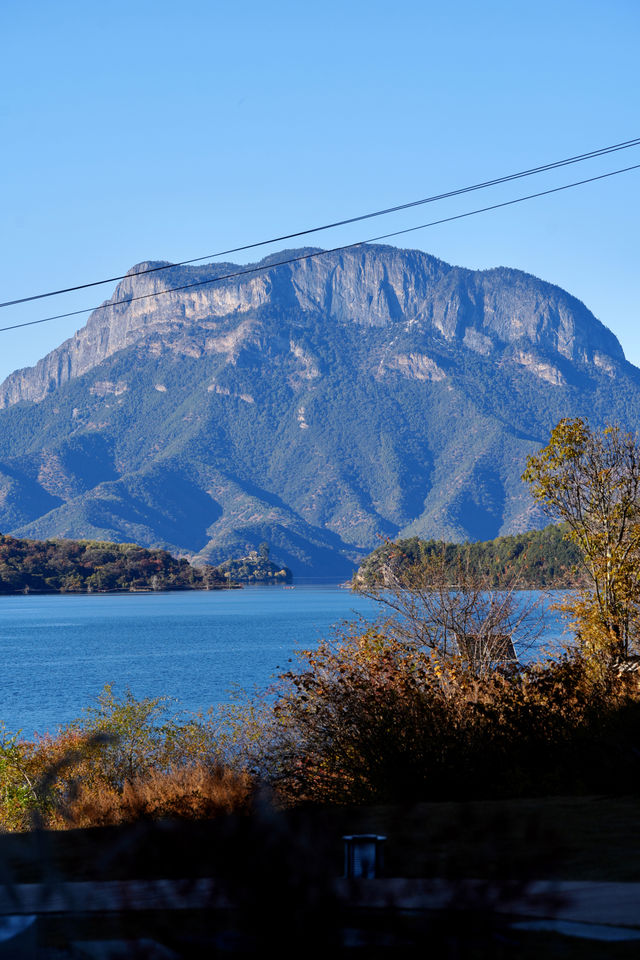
<point x="590" y="480"/>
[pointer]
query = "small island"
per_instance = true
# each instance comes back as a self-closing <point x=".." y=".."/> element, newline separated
<point x="256" y="567"/>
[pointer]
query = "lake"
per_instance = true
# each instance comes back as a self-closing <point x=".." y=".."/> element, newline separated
<point x="58" y="651"/>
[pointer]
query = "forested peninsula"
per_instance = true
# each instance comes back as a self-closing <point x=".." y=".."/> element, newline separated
<point x="87" y="566"/>
<point x="531" y="561"/>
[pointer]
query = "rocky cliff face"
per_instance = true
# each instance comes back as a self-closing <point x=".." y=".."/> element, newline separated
<point x="484" y="311"/>
<point x="315" y="406"/>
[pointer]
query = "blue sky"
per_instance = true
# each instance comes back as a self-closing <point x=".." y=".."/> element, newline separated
<point x="136" y="131"/>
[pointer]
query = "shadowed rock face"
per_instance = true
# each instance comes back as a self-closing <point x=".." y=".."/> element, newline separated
<point x="316" y="405"/>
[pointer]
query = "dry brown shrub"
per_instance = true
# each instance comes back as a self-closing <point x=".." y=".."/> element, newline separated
<point x="187" y="793"/>
<point x="372" y="719"/>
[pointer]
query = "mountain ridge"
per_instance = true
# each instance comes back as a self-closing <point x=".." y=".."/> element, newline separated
<point x="80" y="353"/>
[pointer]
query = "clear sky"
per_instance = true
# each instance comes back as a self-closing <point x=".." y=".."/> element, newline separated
<point x="148" y="130"/>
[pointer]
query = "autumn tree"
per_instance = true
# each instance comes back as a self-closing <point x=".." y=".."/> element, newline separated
<point x="454" y="610"/>
<point x="590" y="480"/>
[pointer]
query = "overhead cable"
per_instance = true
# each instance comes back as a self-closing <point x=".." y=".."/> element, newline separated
<point x="556" y="164"/>
<point x="266" y="267"/>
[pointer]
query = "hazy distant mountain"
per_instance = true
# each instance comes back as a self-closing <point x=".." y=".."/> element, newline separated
<point x="317" y="406"/>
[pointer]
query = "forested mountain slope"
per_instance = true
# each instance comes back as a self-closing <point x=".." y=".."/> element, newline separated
<point x="315" y="406"/>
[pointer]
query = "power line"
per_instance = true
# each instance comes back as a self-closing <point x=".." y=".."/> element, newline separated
<point x="264" y="268"/>
<point x="556" y="164"/>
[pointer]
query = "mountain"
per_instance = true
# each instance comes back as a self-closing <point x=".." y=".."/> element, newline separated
<point x="315" y="406"/>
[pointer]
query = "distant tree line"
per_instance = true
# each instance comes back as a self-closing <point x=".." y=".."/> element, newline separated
<point x="85" y="566"/>
<point x="535" y="560"/>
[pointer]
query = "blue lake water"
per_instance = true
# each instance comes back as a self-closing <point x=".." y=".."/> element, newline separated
<point x="59" y="651"/>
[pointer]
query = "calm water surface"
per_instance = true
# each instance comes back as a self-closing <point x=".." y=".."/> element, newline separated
<point x="59" y="651"/>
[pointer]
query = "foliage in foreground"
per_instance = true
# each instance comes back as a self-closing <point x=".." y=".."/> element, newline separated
<point x="370" y="718"/>
<point x="590" y="480"/>
<point x="453" y="610"/>
<point x="366" y="718"/>
<point x="124" y="760"/>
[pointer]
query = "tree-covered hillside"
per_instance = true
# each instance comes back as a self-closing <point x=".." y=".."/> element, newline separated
<point x="71" y="566"/>
<point x="542" y="558"/>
